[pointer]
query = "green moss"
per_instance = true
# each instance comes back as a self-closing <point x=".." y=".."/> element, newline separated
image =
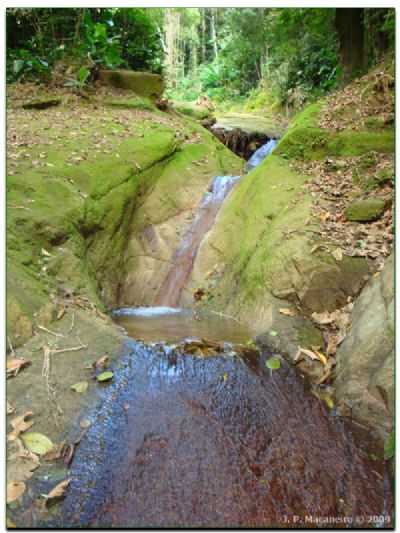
<point x="192" y="110"/>
<point x="304" y="139"/>
<point x="365" y="210"/>
<point x="142" y="83"/>
<point x="314" y="143"/>
<point x="361" y="142"/>
<point x="308" y="336"/>
<point x="131" y="103"/>
<point x="42" y="103"/>
<point x="77" y="203"/>
<point x="259" y="209"/>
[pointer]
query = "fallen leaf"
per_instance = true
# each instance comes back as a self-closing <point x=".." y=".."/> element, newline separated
<point x="287" y="312"/>
<point x="61" y="313"/>
<point x="314" y="355"/>
<point x="37" y="442"/>
<point x="105" y="376"/>
<point x="10" y="524"/>
<point x="21" y="468"/>
<point x="322" y="318"/>
<point x="80" y="387"/>
<point x="15" y="490"/>
<point x="85" y="423"/>
<point x="15" y="365"/>
<point x="55" y="453"/>
<point x="20" y="424"/>
<point x="273" y="363"/>
<point x="337" y="254"/>
<point x="10" y="408"/>
<point x="102" y="362"/>
<point x="57" y="492"/>
<point x="320" y="355"/>
<point x="45" y="252"/>
<point x="69" y="453"/>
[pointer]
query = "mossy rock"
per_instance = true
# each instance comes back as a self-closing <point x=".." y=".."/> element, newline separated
<point x="42" y="103"/>
<point x="135" y="102"/>
<point x="19" y="325"/>
<point x="142" y="83"/>
<point x="365" y="210"/>
<point x="308" y="335"/>
<point x="304" y="139"/>
<point x="192" y="110"/>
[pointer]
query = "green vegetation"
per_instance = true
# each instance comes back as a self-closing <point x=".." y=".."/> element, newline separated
<point x="40" y="38"/>
<point x="275" y="56"/>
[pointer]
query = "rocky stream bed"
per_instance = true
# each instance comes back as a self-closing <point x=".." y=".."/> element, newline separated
<point x="207" y="398"/>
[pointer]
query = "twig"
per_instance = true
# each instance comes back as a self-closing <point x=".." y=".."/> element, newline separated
<point x="51" y="332"/>
<point x="11" y="346"/>
<point x="72" y="323"/>
<point x="73" y="349"/>
<point x="225" y="316"/>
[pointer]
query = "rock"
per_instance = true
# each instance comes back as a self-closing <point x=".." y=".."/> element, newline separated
<point x="42" y="103"/>
<point x="199" y="112"/>
<point x="287" y="334"/>
<point x="19" y="325"/>
<point x="365" y="210"/>
<point x="135" y="102"/>
<point x="142" y="83"/>
<point x="365" y="360"/>
<point x="270" y="126"/>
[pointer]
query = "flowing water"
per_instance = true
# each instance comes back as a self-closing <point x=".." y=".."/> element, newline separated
<point x="171" y="290"/>
<point x="200" y="433"/>
<point x="260" y="154"/>
<point x="187" y="441"/>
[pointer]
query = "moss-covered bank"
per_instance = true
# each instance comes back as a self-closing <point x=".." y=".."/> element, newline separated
<point x="81" y="200"/>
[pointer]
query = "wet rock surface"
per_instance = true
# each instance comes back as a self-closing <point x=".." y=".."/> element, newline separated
<point x="183" y="441"/>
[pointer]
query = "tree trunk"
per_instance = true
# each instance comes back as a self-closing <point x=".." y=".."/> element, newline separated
<point x="172" y="56"/>
<point x="350" y="28"/>
<point x="203" y="34"/>
<point x="213" y="33"/>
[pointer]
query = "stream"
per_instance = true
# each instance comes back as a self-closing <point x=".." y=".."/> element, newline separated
<point x="195" y="431"/>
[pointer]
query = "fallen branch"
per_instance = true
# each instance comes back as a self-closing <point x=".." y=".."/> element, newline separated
<point x="51" y="332"/>
<point x="72" y="323"/>
<point x="226" y="316"/>
<point x="72" y="349"/>
<point x="11" y="347"/>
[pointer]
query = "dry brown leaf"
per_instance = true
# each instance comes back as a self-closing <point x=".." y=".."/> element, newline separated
<point x="61" y="313"/>
<point x="57" y="492"/>
<point x="320" y="355"/>
<point x="14" y="365"/>
<point x="10" y="408"/>
<point x="315" y="356"/>
<point x="337" y="254"/>
<point x="322" y="318"/>
<point x="55" y="453"/>
<point x="102" y="362"/>
<point x="287" y="312"/>
<point x="19" y="425"/>
<point x="15" y="490"/>
<point x="21" y="467"/>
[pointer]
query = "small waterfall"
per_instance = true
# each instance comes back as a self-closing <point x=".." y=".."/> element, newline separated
<point x="171" y="290"/>
<point x="260" y="154"/>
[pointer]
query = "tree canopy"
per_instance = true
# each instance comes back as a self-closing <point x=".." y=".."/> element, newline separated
<point x="220" y="52"/>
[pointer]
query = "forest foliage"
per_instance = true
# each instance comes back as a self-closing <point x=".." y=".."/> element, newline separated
<point x="224" y="53"/>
